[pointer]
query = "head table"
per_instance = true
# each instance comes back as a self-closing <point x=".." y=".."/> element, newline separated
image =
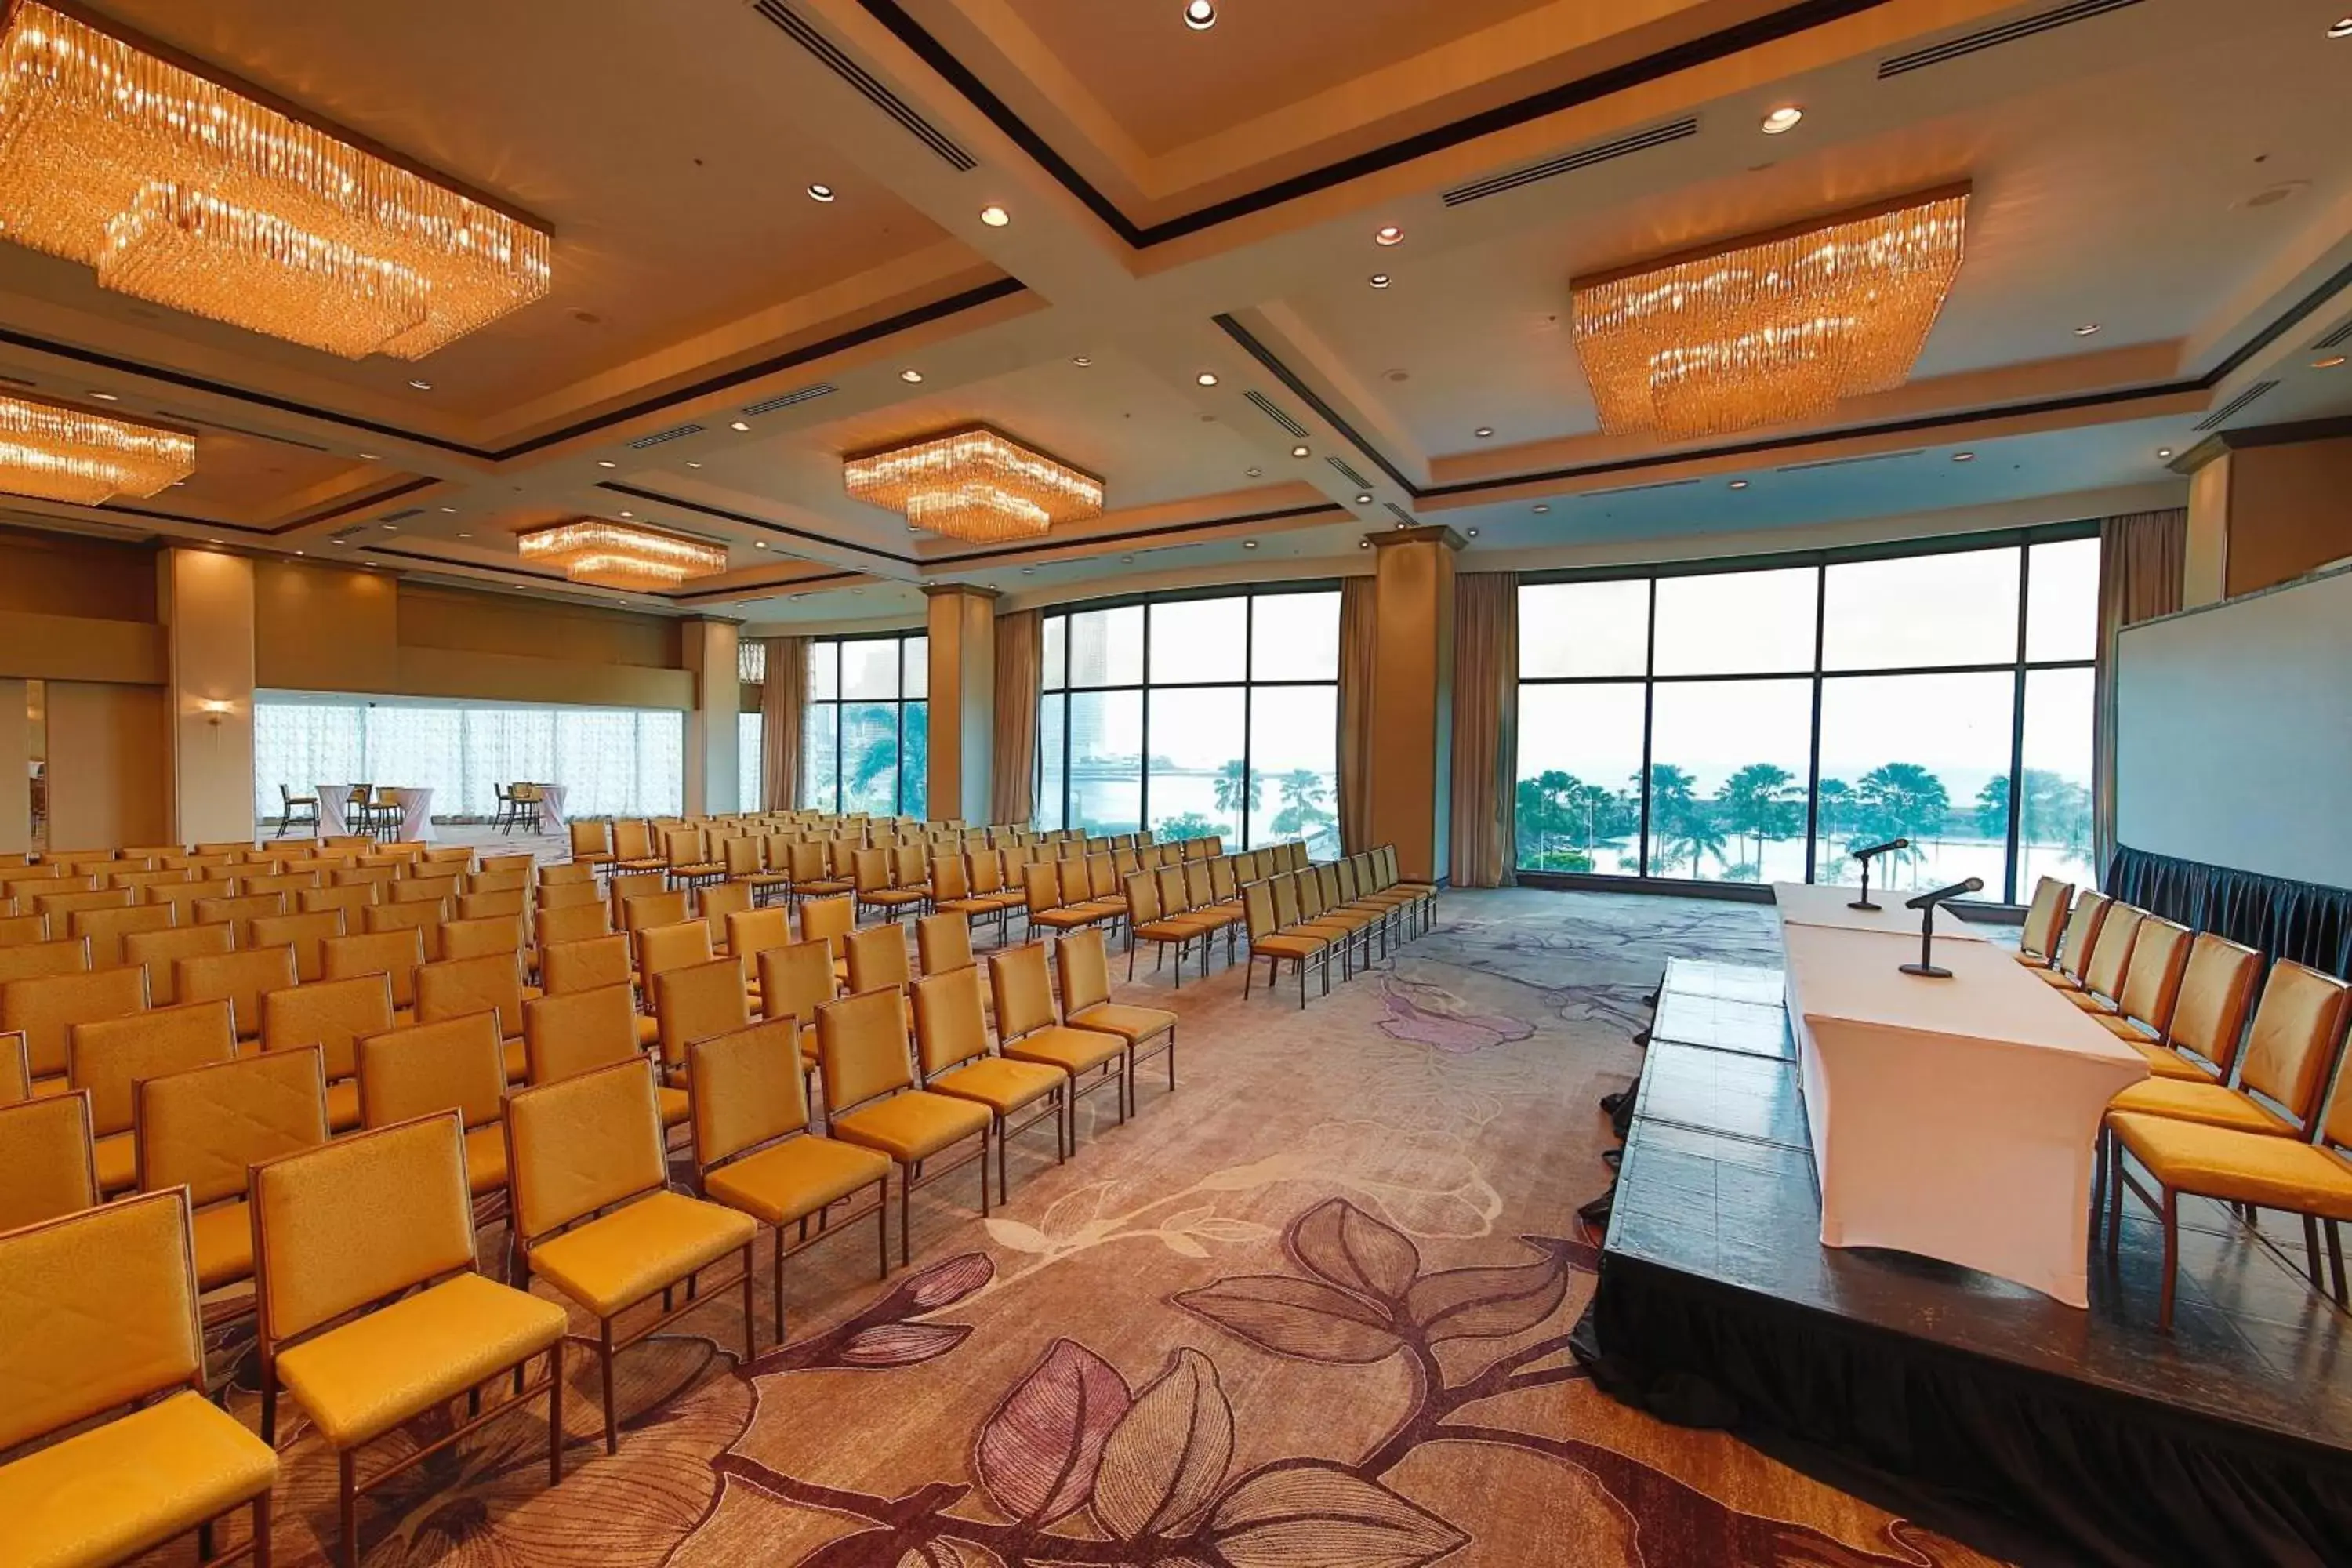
<point x="416" y="812"/>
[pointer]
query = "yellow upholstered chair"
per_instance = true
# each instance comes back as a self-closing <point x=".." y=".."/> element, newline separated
<point x="46" y="1007"/>
<point x="876" y="877"/>
<point x="16" y="930"/>
<point x="482" y="936"/>
<point x="424" y="919"/>
<point x="237" y="978"/>
<point x="877" y="958"/>
<point x="334" y="1016"/>
<point x="951" y="1044"/>
<point x="2198" y="1038"/>
<point x="1147" y="921"/>
<point x="505" y="905"/>
<point x="2045" y="918"/>
<point x="47" y="1167"/>
<point x="592" y="844"/>
<point x="579" y="1031"/>
<point x="1027" y="1030"/>
<point x="648" y="909"/>
<point x="594" y="1214"/>
<point x="502" y="874"/>
<point x="492" y="983"/>
<point x="666" y="947"/>
<point x="15" y="1072"/>
<point x="107" y="1057"/>
<point x="753" y="1150"/>
<point x="716" y="903"/>
<point x="240" y="910"/>
<point x="28" y="960"/>
<point x="694" y="1001"/>
<point x="424" y="889"/>
<point x="873" y="1102"/>
<point x="105" y="929"/>
<point x="160" y="952"/>
<point x="396" y="955"/>
<point x="630" y="884"/>
<point x="58" y="906"/>
<point x="1041" y="886"/>
<point x="943" y="941"/>
<point x="571" y="923"/>
<point x="571" y="873"/>
<point x="750" y="932"/>
<point x="426" y="1069"/>
<point x="2102" y="979"/>
<point x="306" y="934"/>
<point x="380" y="875"/>
<point x="2150" y="983"/>
<point x="830" y="920"/>
<point x="820" y="869"/>
<point x="2289" y="1050"/>
<point x="568" y="895"/>
<point x="354" y="901"/>
<point x="373" y="1310"/>
<point x="795" y="979"/>
<point x="2078" y="939"/>
<point x="1267" y="940"/>
<point x="1083" y="963"/>
<point x="685" y="860"/>
<point x="287" y="882"/>
<point x="204" y="1128"/>
<point x="100" y="1314"/>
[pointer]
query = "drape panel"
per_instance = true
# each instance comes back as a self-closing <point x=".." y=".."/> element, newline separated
<point x="783" y="692"/>
<point x="1013" y="782"/>
<point x="2309" y="922"/>
<point x="1485" y="728"/>
<point x="2142" y="555"/>
<point x="1359" y="652"/>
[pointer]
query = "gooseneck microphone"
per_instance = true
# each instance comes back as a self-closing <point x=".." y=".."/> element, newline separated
<point x="1865" y="857"/>
<point x="1926" y="904"/>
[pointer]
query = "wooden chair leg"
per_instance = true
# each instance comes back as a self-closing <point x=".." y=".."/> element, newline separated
<point x="882" y="1222"/>
<point x="261" y="1529"/>
<point x="611" y="1416"/>
<point x="906" y="1214"/>
<point x="555" y="1413"/>
<point x="2171" y="1218"/>
<point x="777" y="1285"/>
<point x="2115" y="1192"/>
<point x="2311" y="1249"/>
<point x="349" y="1507"/>
<point x="751" y="1309"/>
<point x="2336" y="1261"/>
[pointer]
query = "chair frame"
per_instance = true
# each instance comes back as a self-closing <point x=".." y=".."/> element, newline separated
<point x="910" y="1172"/>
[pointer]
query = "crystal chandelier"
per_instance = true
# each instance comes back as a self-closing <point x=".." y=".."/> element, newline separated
<point x="974" y="483"/>
<point x="206" y="195"/>
<point x="618" y="555"/>
<point x="57" y="453"/>
<point x="1772" y="328"/>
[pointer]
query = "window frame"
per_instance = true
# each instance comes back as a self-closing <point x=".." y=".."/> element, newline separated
<point x="899" y="705"/>
<point x="2019" y="668"/>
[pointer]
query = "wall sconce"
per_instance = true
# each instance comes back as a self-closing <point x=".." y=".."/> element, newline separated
<point x="215" y="710"/>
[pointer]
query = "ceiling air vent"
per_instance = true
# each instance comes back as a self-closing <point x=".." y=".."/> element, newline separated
<point x="1402" y="516"/>
<point x="2336" y="338"/>
<point x="345" y="535"/>
<point x="2236" y="406"/>
<point x="1846" y="462"/>
<point x="1994" y="37"/>
<point x="658" y="436"/>
<point x="788" y="22"/>
<point x="1348" y="471"/>
<point x="1265" y="406"/>
<point x="1636" y="490"/>
<point x="401" y="516"/>
<point x="278" y="438"/>
<point x="1568" y="164"/>
<point x="806" y="394"/>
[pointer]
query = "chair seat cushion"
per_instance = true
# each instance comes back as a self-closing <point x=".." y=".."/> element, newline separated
<point x="118" y="1163"/>
<point x="362" y="1380"/>
<point x="1287" y="945"/>
<point x="2212" y="1104"/>
<point x="795" y="1178"/>
<point x="649" y="1032"/>
<point x="2089" y="1001"/>
<point x="1065" y="919"/>
<point x="342" y="1105"/>
<point x="1002" y="1086"/>
<point x="224" y="1239"/>
<point x="618" y="1260"/>
<point x="2240" y="1167"/>
<point x="677" y="1105"/>
<point x="911" y="1126"/>
<point x="108" y="1494"/>
<point x="1130" y="1024"/>
<point x="518" y="1062"/>
<point x="1182" y="928"/>
<point x="2058" y="978"/>
<point x="1073" y="1050"/>
<point x="486" y="1158"/>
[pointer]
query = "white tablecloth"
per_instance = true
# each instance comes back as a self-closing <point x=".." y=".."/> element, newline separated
<point x="333" y="797"/>
<point x="1803" y="904"/>
<point x="1951" y="1118"/>
<point x="551" y="809"/>
<point x="415" y="814"/>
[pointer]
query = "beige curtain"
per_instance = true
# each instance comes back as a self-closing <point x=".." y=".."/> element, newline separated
<point x="1012" y="787"/>
<point x="1485" y="728"/>
<point x="781" y="695"/>
<point x="2142" y="555"/>
<point x="1358" y="650"/>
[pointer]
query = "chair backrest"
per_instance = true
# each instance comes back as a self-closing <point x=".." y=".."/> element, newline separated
<point x="578" y="1031"/>
<point x="585" y="964"/>
<point x="501" y="875"/>
<point x="909" y="865"/>
<point x="159" y="951"/>
<point x="307" y="934"/>
<point x="1286" y="901"/>
<point x="25" y="961"/>
<point x="107" y="1057"/>
<point x="805" y="860"/>
<point x="828" y="920"/>
<point x="352" y="901"/>
<point x="454" y="1065"/>
<point x="747" y="1089"/>
<point x="581" y="1144"/>
<point x="1083" y="964"/>
<point x="795" y="981"/>
<point x="1224" y="880"/>
<point x="655" y="910"/>
<point x="629" y="885"/>
<point x="396" y="955"/>
<point x="44" y="1007"/>
<point x="947" y="878"/>
<point x="2111" y="954"/>
<point x="402" y="1187"/>
<point x="590" y="838"/>
<point x="101" y="1312"/>
<point x="696" y="1001"/>
<point x="861" y="1043"/>
<point x="877" y="957"/>
<point x="2045" y="917"/>
<point x="949" y="1026"/>
<point x="682" y="845"/>
<point x="570" y="874"/>
<point x="943" y="941"/>
<point x="424" y="919"/>
<point x="2152" y="984"/>
<point x="570" y="895"/>
<point x="454" y="987"/>
<point x="1040" y="883"/>
<point x="574" y="922"/>
<point x="504" y="904"/>
<point x="205" y="1127"/>
<point x="332" y="1015"/>
<point x="1076" y="882"/>
<point x="983" y="872"/>
<point x="1168" y="886"/>
<point x="1197" y="891"/>
<point x="105" y="929"/>
<point x="2082" y="933"/>
<point x="870" y="870"/>
<point x="2297" y="1025"/>
<point x="47" y="1166"/>
<point x="721" y="901"/>
<point x="237" y="978"/>
<point x="60" y="905"/>
<point x="482" y="937"/>
<point x="2216" y="994"/>
<point x="424" y="889"/>
<point x="16" y="930"/>
<point x="15" y="1072"/>
<point x="1024" y="997"/>
<point x="750" y="932"/>
<point x="666" y="947"/>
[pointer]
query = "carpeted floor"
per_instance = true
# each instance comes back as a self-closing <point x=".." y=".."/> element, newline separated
<point x="1308" y="1311"/>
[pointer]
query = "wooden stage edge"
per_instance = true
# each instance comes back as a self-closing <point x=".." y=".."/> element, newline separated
<point x="2228" y="1440"/>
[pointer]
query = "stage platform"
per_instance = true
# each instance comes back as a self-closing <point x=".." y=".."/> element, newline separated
<point x="2228" y="1441"/>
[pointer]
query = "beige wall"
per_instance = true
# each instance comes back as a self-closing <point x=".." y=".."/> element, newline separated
<point x="324" y="629"/>
<point x="1412" y="700"/>
<point x="92" y="579"/>
<point x="2290" y="511"/>
<point x="962" y="747"/>
<point x="109" y="765"/>
<point x="15" y="774"/>
<point x="207" y="603"/>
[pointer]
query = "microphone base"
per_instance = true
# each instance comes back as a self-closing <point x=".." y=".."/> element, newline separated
<point x="1933" y="972"/>
<point x="1864" y="904"/>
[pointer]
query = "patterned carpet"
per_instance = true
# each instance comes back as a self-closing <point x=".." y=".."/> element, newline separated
<point x="1308" y="1311"/>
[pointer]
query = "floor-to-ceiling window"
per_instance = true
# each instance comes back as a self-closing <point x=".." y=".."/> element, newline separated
<point x="1756" y="722"/>
<point x="1194" y="714"/>
<point x="866" y="725"/>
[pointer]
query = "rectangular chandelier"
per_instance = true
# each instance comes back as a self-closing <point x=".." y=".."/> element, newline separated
<point x="188" y="188"/>
<point x="621" y="555"/>
<point x="59" y="453"/>
<point x="1772" y="328"/>
<point x="975" y="483"/>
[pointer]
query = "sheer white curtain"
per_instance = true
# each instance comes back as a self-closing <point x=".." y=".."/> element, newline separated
<point x="748" y="727"/>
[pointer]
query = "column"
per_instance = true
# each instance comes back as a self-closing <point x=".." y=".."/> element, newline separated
<point x="204" y="600"/>
<point x="2205" y="568"/>
<point x="1413" y="696"/>
<point x="16" y="768"/>
<point x="962" y="758"/>
<point x="713" y="778"/>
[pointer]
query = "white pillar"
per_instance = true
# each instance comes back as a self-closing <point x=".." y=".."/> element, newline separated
<point x="205" y="599"/>
<point x="713" y="776"/>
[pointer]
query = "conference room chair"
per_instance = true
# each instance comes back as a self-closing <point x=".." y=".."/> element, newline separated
<point x="993" y="889"/>
<point x="238" y="978"/>
<point x="1201" y="896"/>
<point x="69" y="956"/>
<point x="365" y="1337"/>
<point x="396" y="954"/>
<point x="952" y="893"/>
<point x="105" y="929"/>
<point x="694" y="1001"/>
<point x="497" y="873"/>
<point x="872" y="1102"/>
<point x="773" y="873"/>
<point x="1298" y="906"/>
<point x="580" y="1031"/>
<point x="15" y="1070"/>
<point x="106" y="1058"/>
<point x="101" y="1318"/>
<point x="571" y="923"/>
<point x="47" y="1167"/>
<point x="2150" y="983"/>
<point x="424" y="919"/>
<point x="2103" y="974"/>
<point x="666" y="909"/>
<point x="204" y="1128"/>
<point x="754" y="1150"/>
<point x="307" y="934"/>
<point x="1028" y="1030"/>
<point x="2078" y="940"/>
<point x="353" y="901"/>
<point x="1147" y="921"/>
<point x="43" y="1008"/>
<point x="744" y="858"/>
<point x="16" y="930"/>
<point x="952" y="1049"/>
<point x="633" y="847"/>
<point x="2290" y="1048"/>
<point x="872" y="873"/>
<point x="687" y="859"/>
<point x="830" y="920"/>
<point x="1267" y="940"/>
<point x="1082" y="964"/>
<point x="716" y="903"/>
<point x="58" y="906"/>
<point x="159" y="953"/>
<point x="795" y="979"/>
<point x="811" y="877"/>
<point x="1318" y="909"/>
<point x="2198" y="1038"/>
<point x="482" y="936"/>
<point x="750" y="932"/>
<point x="591" y="845"/>
<point x="943" y="941"/>
<point x="572" y="873"/>
<point x="421" y="1069"/>
<point x="666" y="947"/>
<point x="877" y="958"/>
<point x="1041" y="882"/>
<point x="593" y="1212"/>
<point x="506" y="904"/>
<point x="331" y="1016"/>
<point x="567" y="895"/>
<point x="454" y="987"/>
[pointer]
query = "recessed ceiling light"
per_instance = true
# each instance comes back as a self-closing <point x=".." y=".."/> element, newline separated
<point x="738" y="425"/>
<point x="1082" y="360"/>
<point x="1963" y="456"/>
<point x="1207" y="378"/>
<point x="2164" y="451"/>
<point x="910" y="376"/>
<point x="1388" y="234"/>
<point x="693" y="464"/>
<point x="212" y="541"/>
<point x="302" y="552"/>
<point x="421" y="385"/>
<point x="368" y="457"/>
<point x="1782" y="120"/>
<point x="606" y="463"/>
<point x="1474" y="534"/>
<point x="994" y="216"/>
<point x="1379" y="280"/>
<point x="1363" y="544"/>
<point x="2330" y="363"/>
<point x="820" y="193"/>
<point x="1199" y="15"/>
<point x="1298" y="452"/>
<point x="1740" y="484"/>
<point x="106" y="397"/>
<point x="2340" y="28"/>
<point x="1542" y="507"/>
<point x="628" y="514"/>
<point x="391" y="528"/>
<point x="1254" y="473"/>
<point x="2087" y="329"/>
<point x="1363" y="500"/>
<point x="759" y="544"/>
<point x="1483" y="432"/>
<point x="450" y="510"/>
<point x="1025" y="571"/>
<point x="1246" y="544"/>
<point x="465" y="536"/>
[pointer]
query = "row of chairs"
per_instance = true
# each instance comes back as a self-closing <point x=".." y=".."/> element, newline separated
<point x="1335" y="907"/>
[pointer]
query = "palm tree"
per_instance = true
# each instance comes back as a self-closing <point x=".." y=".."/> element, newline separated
<point x="1904" y="800"/>
<point x="1235" y="785"/>
<point x="1679" y="821"/>
<point x="1756" y="802"/>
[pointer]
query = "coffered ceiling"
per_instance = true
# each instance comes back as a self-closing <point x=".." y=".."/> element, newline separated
<point x="1193" y="202"/>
